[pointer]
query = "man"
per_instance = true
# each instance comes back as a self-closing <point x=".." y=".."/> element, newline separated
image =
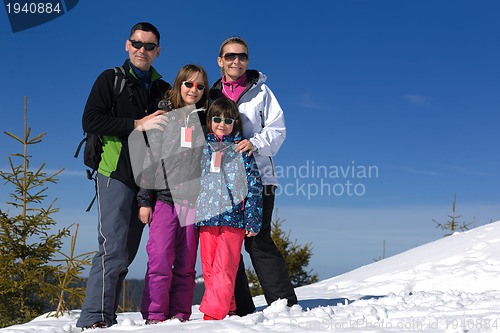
<point x="119" y="228"/>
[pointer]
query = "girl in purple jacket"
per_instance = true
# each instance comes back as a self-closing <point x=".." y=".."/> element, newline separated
<point x="169" y="190"/>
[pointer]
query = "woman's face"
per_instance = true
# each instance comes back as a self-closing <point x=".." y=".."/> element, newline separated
<point x="236" y="67"/>
<point x="191" y="95"/>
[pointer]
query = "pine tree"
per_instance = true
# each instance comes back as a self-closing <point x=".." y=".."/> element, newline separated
<point x="454" y="225"/>
<point x="30" y="280"/>
<point x="296" y="257"/>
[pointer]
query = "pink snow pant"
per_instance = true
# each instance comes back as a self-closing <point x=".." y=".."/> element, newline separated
<point x="220" y="249"/>
<point x="170" y="276"/>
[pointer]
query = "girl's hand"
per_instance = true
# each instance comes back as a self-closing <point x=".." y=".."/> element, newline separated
<point x="244" y="145"/>
<point x="145" y="214"/>
<point x="250" y="233"/>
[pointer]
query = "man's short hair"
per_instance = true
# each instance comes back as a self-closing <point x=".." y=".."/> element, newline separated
<point x="146" y="26"/>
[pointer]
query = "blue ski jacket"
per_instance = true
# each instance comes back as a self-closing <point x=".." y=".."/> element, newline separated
<point x="230" y="195"/>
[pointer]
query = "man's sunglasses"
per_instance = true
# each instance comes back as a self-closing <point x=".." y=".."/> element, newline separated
<point x="147" y="46"/>
<point x="233" y="56"/>
<point x="227" y="121"/>
<point x="189" y="85"/>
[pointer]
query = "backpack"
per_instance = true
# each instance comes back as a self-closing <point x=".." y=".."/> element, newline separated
<point x="93" y="142"/>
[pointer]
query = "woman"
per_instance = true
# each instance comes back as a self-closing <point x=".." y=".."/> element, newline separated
<point x="263" y="129"/>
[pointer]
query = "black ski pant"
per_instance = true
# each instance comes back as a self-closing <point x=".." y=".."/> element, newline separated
<point x="268" y="263"/>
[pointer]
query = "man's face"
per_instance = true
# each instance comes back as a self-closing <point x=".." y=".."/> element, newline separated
<point x="141" y="57"/>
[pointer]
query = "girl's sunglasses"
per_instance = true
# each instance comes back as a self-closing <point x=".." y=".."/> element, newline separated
<point x="189" y="85"/>
<point x="147" y="46"/>
<point x="227" y="121"/>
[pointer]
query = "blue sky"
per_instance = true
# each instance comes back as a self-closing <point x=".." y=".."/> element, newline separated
<point x="407" y="89"/>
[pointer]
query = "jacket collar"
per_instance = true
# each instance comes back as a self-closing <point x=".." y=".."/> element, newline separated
<point x="211" y="137"/>
<point x="253" y="77"/>
<point x="154" y="75"/>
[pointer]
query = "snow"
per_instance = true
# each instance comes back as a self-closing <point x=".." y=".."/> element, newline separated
<point x="449" y="285"/>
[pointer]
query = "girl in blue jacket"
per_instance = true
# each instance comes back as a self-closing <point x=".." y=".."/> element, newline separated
<point x="229" y="207"/>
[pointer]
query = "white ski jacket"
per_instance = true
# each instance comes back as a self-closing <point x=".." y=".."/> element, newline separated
<point x="262" y="121"/>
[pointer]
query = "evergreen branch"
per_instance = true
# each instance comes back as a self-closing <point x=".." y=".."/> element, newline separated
<point x="36" y="139"/>
<point x="14" y="137"/>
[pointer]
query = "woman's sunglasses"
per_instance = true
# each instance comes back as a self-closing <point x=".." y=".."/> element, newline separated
<point x="233" y="56"/>
<point x="227" y="121"/>
<point x="189" y="85"/>
<point x="147" y="46"/>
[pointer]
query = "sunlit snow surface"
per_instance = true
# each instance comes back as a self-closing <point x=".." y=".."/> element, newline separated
<point x="449" y="285"/>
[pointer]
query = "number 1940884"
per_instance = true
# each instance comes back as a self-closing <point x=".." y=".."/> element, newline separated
<point x="33" y="8"/>
<point x="468" y="324"/>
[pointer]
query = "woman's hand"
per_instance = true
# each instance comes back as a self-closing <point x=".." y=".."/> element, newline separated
<point x="244" y="145"/>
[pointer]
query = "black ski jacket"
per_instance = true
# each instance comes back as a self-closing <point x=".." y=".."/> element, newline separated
<point x="133" y="103"/>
